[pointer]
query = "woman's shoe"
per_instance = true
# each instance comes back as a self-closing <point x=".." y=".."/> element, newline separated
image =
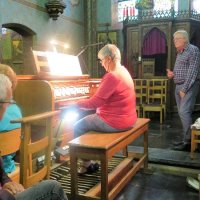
<point x="93" y="167"/>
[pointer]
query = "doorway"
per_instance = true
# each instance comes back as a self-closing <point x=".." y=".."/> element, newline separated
<point x="16" y="48"/>
<point x="155" y="48"/>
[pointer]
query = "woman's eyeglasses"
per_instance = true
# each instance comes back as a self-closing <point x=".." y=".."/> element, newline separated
<point x="9" y="101"/>
<point x="101" y="60"/>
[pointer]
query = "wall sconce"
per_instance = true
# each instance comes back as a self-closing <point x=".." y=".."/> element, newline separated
<point x="54" y="7"/>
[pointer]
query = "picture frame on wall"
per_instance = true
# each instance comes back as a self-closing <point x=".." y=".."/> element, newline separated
<point x="110" y="37"/>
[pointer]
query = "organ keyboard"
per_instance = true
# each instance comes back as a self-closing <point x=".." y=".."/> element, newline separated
<point x="35" y="96"/>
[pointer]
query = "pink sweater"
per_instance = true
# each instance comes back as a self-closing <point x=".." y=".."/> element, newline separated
<point x="115" y="100"/>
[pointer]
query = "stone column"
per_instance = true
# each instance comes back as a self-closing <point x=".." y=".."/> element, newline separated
<point x="90" y="33"/>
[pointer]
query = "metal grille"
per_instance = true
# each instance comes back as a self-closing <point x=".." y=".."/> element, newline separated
<point x="85" y="181"/>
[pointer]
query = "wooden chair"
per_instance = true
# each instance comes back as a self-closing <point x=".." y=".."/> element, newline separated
<point x="28" y="175"/>
<point x="156" y="98"/>
<point x="148" y="67"/>
<point x="141" y="94"/>
<point x="195" y="140"/>
<point x="10" y="143"/>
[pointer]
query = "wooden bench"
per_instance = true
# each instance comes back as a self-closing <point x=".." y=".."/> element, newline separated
<point x="195" y="133"/>
<point x="102" y="146"/>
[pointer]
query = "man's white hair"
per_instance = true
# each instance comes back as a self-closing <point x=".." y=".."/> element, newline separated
<point x="183" y="33"/>
<point x="5" y="86"/>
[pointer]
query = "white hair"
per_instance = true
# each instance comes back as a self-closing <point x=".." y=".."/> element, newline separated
<point x="110" y="50"/>
<point x="183" y="33"/>
<point x="5" y="86"/>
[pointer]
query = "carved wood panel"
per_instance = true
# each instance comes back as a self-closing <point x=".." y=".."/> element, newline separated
<point x="133" y="49"/>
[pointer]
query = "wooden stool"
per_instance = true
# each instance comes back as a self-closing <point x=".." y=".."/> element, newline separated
<point x="195" y="133"/>
<point x="102" y="146"/>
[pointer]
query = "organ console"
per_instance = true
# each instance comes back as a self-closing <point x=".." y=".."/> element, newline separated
<point x="48" y="92"/>
<point x="45" y="92"/>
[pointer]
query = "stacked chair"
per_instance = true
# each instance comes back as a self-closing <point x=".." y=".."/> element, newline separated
<point x="156" y="98"/>
<point x="151" y="96"/>
<point x="141" y="94"/>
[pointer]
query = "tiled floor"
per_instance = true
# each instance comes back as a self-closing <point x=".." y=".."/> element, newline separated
<point x="158" y="186"/>
<point x="161" y="185"/>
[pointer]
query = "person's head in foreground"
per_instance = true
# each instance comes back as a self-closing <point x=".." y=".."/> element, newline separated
<point x="5" y="93"/>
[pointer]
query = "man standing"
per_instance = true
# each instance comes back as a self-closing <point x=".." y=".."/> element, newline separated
<point x="186" y="75"/>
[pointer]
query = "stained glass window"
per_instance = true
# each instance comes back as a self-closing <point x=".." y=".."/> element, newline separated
<point x="162" y="5"/>
<point x="165" y="5"/>
<point x="196" y="5"/>
<point x="125" y="9"/>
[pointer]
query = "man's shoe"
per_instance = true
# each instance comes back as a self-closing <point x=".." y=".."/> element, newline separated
<point x="177" y="143"/>
<point x="193" y="183"/>
<point x="182" y="147"/>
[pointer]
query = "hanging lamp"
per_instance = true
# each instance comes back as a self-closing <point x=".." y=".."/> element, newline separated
<point x="54" y="8"/>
